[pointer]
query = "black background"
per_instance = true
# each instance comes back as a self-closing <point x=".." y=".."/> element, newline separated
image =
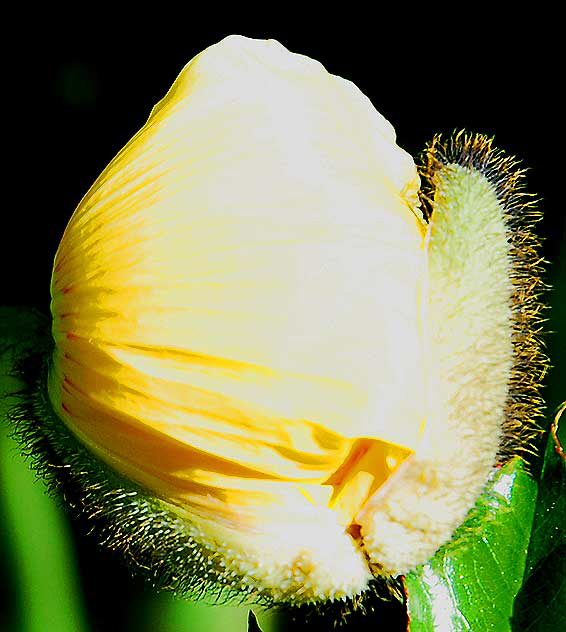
<point x="79" y="86"/>
<point x="80" y="90"/>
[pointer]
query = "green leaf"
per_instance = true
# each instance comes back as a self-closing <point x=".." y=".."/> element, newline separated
<point x="253" y="625"/>
<point x="541" y="602"/>
<point x="471" y="583"/>
<point x="504" y="569"/>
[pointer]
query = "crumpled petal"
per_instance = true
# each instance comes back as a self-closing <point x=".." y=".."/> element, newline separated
<point x="236" y="300"/>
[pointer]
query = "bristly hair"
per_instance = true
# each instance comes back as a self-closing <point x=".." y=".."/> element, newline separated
<point x="384" y="602"/>
<point x="154" y="542"/>
<point x="522" y="427"/>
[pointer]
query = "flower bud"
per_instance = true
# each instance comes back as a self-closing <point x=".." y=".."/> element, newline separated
<point x="283" y="368"/>
<point x="235" y="310"/>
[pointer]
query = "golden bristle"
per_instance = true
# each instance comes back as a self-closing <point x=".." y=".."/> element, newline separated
<point x="524" y="407"/>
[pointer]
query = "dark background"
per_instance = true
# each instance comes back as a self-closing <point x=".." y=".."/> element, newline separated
<point x="79" y="88"/>
<point x="78" y="93"/>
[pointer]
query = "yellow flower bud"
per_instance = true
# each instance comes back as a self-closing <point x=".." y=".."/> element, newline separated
<point x="235" y="329"/>
<point x="257" y="324"/>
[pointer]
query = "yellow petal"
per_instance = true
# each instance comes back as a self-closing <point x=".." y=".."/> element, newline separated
<point x="236" y="302"/>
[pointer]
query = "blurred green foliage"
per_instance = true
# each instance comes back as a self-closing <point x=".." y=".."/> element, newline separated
<point x="45" y="573"/>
